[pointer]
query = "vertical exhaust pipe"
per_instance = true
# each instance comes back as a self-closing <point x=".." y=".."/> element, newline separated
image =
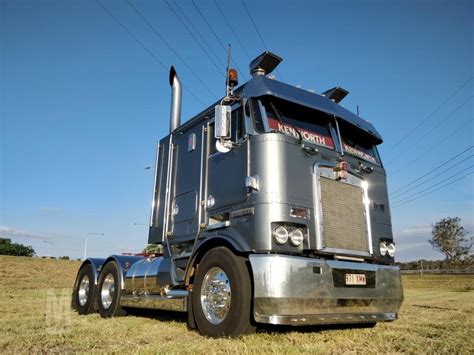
<point x="176" y="93"/>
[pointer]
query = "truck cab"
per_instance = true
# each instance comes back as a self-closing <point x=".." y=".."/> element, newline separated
<point x="271" y="206"/>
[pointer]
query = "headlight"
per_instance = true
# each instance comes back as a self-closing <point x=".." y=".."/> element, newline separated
<point x="383" y="248"/>
<point x="281" y="235"/>
<point x="296" y="237"/>
<point x="391" y="249"/>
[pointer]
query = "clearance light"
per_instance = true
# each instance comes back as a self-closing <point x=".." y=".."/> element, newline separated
<point x="299" y="212"/>
<point x="383" y="248"/>
<point x="342" y="169"/>
<point x="281" y="235"/>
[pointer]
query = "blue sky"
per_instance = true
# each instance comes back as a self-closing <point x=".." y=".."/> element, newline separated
<point x="83" y="105"/>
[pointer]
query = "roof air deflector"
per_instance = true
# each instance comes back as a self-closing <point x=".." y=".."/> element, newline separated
<point x="336" y="94"/>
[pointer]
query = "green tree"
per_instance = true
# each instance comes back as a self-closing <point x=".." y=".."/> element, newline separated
<point x="449" y="237"/>
<point x="14" y="249"/>
<point x="153" y="249"/>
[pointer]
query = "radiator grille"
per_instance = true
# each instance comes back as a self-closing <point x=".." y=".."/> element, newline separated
<point x="343" y="219"/>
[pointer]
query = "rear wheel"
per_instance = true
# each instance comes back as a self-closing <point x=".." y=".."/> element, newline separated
<point x="222" y="295"/>
<point x="109" y="292"/>
<point x="84" y="290"/>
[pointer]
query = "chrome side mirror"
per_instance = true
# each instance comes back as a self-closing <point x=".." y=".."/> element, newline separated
<point x="222" y="127"/>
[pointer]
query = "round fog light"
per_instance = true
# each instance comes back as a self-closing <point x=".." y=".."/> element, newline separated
<point x="391" y="250"/>
<point x="296" y="237"/>
<point x="281" y="235"/>
<point x="383" y="248"/>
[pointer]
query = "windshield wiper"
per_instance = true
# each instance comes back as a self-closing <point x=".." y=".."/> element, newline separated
<point x="278" y="116"/>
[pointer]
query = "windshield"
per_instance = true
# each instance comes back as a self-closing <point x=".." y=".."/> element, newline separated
<point x="357" y="144"/>
<point x="298" y="121"/>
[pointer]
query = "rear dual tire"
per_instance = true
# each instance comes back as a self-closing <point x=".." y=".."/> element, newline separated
<point x="84" y="290"/>
<point x="109" y="291"/>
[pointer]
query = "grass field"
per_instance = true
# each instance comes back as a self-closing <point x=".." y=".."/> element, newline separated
<point x="436" y="317"/>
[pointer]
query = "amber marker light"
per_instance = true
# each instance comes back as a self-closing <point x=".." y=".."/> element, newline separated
<point x="232" y="77"/>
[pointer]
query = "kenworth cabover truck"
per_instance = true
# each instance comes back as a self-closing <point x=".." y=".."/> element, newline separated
<point x="271" y="206"/>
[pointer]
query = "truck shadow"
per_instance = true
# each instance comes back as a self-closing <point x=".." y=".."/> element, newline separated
<point x="181" y="317"/>
<point x="160" y="315"/>
<point x="279" y="329"/>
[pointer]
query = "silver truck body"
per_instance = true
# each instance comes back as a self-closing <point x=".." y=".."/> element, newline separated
<point x="204" y="198"/>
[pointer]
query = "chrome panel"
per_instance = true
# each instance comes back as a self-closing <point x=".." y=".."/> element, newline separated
<point x="337" y="318"/>
<point x="141" y="277"/>
<point x="288" y="286"/>
<point x="154" y="302"/>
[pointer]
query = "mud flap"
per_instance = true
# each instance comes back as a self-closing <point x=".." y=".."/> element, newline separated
<point x="191" y="323"/>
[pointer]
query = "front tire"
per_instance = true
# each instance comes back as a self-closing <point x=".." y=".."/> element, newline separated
<point x="84" y="290"/>
<point x="222" y="295"/>
<point x="109" y="291"/>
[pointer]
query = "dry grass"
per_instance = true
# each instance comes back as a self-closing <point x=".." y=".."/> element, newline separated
<point x="437" y="316"/>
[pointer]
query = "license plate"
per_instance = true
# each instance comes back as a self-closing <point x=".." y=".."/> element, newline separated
<point x="355" y="280"/>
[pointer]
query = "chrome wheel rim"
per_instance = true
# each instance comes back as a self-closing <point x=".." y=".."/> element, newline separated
<point x="107" y="291"/>
<point x="215" y="295"/>
<point x="83" y="293"/>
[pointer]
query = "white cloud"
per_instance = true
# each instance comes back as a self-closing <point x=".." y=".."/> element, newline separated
<point x="413" y="233"/>
<point x="12" y="233"/>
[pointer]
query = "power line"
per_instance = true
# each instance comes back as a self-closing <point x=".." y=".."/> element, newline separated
<point x="433" y="112"/>
<point x="437" y="184"/>
<point x="438" y="144"/>
<point x="433" y="170"/>
<point x="397" y="196"/>
<point x="183" y="13"/>
<point x="254" y="25"/>
<point x="194" y="37"/>
<point x="216" y="36"/>
<point x="258" y="32"/>
<point x="427" y="132"/>
<point x="144" y="47"/>
<point x="232" y="29"/>
<point x="133" y="36"/>
<point x="155" y="31"/>
<point x="209" y="25"/>
<point x="430" y="192"/>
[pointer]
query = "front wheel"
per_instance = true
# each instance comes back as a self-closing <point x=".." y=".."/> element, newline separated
<point x="222" y="295"/>
<point x="109" y="292"/>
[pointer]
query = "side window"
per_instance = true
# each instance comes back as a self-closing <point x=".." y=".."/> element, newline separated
<point x="256" y="115"/>
<point x="212" y="139"/>
<point x="237" y="124"/>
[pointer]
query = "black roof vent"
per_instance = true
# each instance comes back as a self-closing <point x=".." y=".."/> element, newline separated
<point x="336" y="94"/>
<point x="264" y="64"/>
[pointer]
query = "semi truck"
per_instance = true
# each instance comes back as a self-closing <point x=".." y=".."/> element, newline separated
<point x="271" y="207"/>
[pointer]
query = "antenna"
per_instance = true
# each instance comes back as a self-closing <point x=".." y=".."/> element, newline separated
<point x="227" y="85"/>
<point x="358" y="110"/>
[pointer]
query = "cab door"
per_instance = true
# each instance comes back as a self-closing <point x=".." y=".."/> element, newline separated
<point x="227" y="171"/>
<point x="186" y="189"/>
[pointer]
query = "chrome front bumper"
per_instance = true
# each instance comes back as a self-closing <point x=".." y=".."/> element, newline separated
<point x="298" y="291"/>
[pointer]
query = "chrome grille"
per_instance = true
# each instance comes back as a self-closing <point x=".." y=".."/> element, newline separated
<point x="343" y="217"/>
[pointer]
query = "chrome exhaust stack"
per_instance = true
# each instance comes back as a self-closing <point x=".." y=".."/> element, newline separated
<point x="176" y="94"/>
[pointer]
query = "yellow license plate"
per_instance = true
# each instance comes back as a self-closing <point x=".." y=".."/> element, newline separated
<point x="356" y="280"/>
